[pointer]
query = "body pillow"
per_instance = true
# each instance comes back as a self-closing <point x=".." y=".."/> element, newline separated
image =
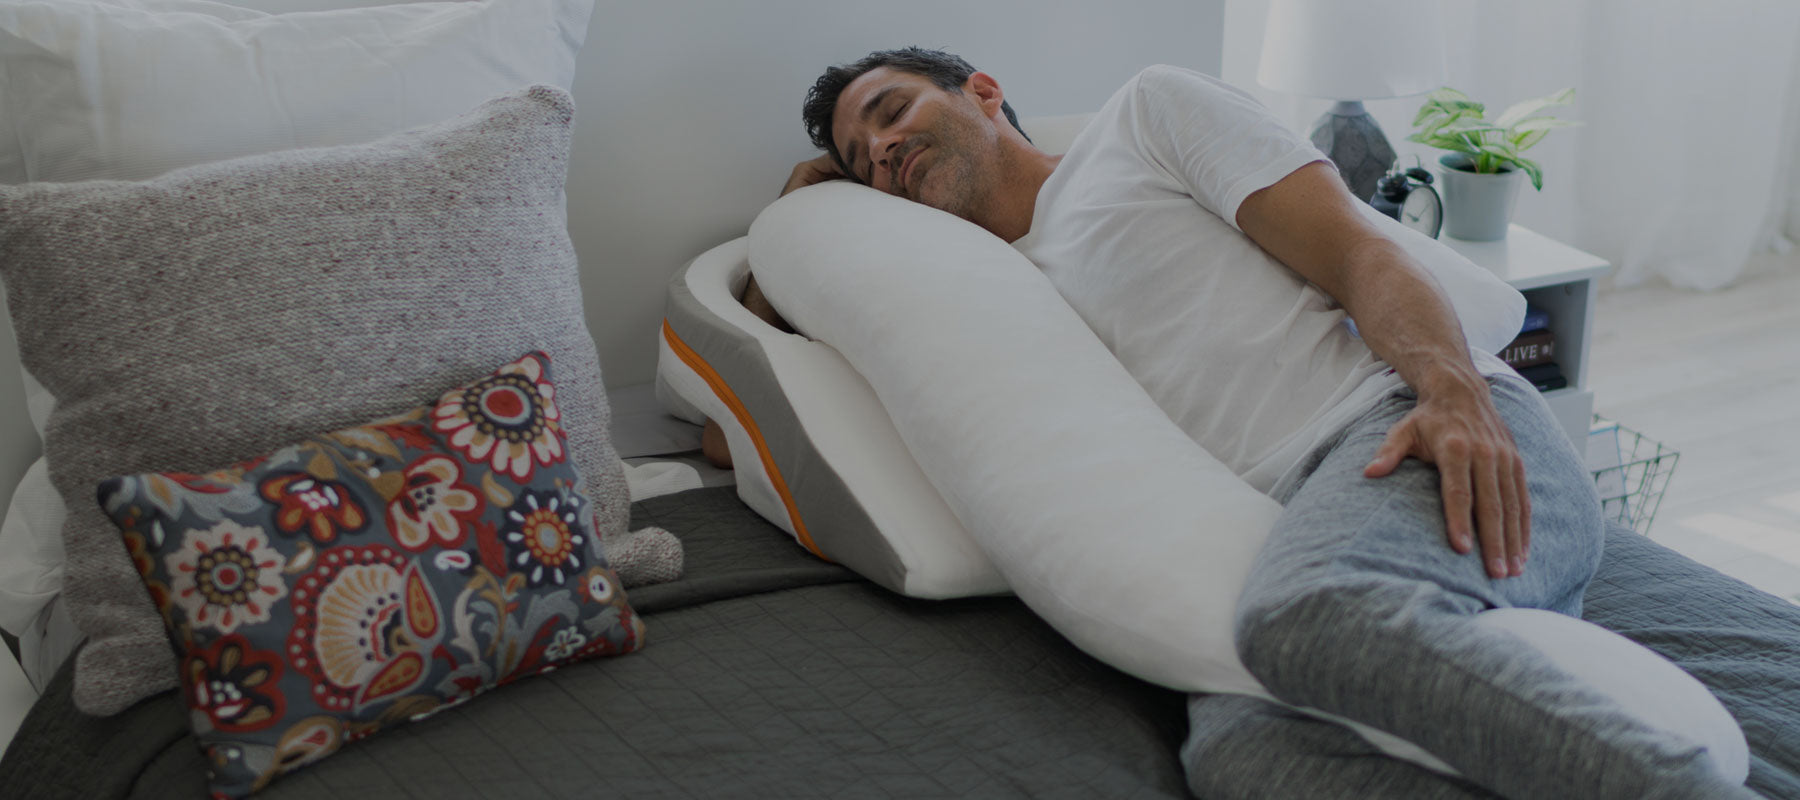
<point x="1099" y="512"/>
<point x="1080" y="489"/>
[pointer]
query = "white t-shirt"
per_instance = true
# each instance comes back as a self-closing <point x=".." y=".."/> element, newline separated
<point x="1137" y="228"/>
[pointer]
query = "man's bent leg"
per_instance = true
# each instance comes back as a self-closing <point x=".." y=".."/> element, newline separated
<point x="1357" y="606"/>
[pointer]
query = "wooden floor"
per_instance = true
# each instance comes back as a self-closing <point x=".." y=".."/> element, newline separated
<point x="1716" y="376"/>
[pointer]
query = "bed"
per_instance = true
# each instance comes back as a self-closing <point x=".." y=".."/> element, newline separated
<point x="769" y="671"/>
<point x="773" y="674"/>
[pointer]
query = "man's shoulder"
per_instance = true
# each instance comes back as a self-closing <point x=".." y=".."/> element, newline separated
<point x="1166" y="79"/>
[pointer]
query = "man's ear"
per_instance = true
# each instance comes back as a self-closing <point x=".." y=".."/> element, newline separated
<point x="986" y="93"/>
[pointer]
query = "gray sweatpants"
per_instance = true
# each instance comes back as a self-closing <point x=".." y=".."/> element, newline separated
<point x="1357" y="606"/>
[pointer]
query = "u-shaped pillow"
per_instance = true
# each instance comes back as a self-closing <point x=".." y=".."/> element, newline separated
<point x="1095" y="508"/>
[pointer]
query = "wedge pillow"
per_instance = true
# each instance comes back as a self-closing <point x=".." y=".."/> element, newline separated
<point x="813" y="450"/>
<point x="1096" y="509"/>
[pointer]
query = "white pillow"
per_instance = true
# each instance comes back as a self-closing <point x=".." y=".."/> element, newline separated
<point x="1079" y="488"/>
<point x="1491" y="312"/>
<point x="130" y="89"/>
<point x="1101" y="514"/>
<point x="31" y="549"/>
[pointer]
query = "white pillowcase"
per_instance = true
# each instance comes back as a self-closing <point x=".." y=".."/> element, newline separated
<point x="31" y="550"/>
<point x="1080" y="489"/>
<point x="130" y="89"/>
<point x="1103" y="516"/>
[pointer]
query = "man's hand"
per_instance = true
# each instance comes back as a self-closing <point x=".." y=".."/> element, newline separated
<point x="1482" y="474"/>
<point x="807" y="173"/>
<point x="1310" y="222"/>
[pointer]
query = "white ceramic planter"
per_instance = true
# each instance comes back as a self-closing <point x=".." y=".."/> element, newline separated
<point x="1477" y="207"/>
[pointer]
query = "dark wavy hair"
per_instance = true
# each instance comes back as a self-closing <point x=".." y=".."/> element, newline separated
<point x="946" y="71"/>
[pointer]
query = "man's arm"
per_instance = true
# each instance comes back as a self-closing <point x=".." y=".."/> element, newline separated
<point x="1309" y="221"/>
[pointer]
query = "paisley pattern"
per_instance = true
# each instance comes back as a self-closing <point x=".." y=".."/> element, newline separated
<point x="365" y="626"/>
<point x="374" y="575"/>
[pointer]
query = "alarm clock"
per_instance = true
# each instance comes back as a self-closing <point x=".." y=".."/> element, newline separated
<point x="1407" y="196"/>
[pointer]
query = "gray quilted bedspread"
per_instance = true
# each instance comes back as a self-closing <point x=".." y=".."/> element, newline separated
<point x="769" y="674"/>
<point x="1744" y="644"/>
<point x="766" y="674"/>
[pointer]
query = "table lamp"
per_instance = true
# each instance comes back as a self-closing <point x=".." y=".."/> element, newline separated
<point x="1351" y="51"/>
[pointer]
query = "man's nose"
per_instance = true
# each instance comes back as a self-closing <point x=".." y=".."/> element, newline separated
<point x="884" y="148"/>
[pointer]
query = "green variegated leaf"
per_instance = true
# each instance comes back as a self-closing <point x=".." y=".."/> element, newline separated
<point x="1501" y="150"/>
<point x="1468" y="125"/>
<point x="1526" y="109"/>
<point x="1446" y="101"/>
<point x="1449" y="120"/>
<point x="1524" y="141"/>
<point x="1544" y="124"/>
<point x="1531" y="168"/>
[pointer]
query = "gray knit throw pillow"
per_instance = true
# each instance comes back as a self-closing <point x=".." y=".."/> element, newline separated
<point x="228" y="309"/>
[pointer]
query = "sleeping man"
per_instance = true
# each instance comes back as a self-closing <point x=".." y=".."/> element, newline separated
<point x="1421" y="483"/>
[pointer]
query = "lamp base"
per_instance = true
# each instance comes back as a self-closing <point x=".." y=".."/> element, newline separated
<point x="1352" y="140"/>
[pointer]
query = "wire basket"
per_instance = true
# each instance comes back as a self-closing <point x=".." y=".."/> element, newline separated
<point x="1631" y="471"/>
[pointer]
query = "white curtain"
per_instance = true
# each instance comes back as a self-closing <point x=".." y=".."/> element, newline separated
<point x="1686" y="165"/>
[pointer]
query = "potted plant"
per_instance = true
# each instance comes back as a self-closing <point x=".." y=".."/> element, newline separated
<point x="1486" y="164"/>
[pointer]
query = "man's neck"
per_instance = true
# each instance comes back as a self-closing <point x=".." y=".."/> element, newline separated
<point x="1015" y="202"/>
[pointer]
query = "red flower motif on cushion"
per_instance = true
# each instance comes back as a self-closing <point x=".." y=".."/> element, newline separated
<point x="233" y="685"/>
<point x="433" y="505"/>
<point x="225" y="576"/>
<point x="320" y="507"/>
<point x="508" y="420"/>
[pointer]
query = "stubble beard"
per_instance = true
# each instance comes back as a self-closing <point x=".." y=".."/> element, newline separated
<point x="951" y="182"/>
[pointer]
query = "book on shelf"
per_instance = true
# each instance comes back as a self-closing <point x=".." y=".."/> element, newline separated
<point x="1545" y="376"/>
<point x="1536" y="319"/>
<point x="1530" y="349"/>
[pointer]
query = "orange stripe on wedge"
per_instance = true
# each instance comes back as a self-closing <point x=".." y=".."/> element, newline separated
<point x="708" y="374"/>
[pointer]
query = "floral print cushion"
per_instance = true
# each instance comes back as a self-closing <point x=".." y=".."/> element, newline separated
<point x="369" y="576"/>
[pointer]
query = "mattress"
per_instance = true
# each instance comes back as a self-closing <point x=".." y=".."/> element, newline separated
<point x="769" y="673"/>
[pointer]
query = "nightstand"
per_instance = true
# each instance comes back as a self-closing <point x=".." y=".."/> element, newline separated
<point x="1561" y="280"/>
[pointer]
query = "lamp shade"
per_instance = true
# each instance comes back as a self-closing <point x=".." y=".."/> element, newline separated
<point x="1353" y="49"/>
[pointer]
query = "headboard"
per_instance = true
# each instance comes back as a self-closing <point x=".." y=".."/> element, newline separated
<point x="689" y="122"/>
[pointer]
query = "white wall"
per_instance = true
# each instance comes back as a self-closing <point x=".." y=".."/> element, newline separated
<point x="690" y="113"/>
<point x="689" y="124"/>
<point x="1528" y="48"/>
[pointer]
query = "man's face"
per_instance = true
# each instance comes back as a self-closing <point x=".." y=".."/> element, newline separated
<point x="900" y="133"/>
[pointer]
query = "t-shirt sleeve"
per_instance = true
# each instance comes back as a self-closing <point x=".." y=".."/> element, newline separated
<point x="1216" y="139"/>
